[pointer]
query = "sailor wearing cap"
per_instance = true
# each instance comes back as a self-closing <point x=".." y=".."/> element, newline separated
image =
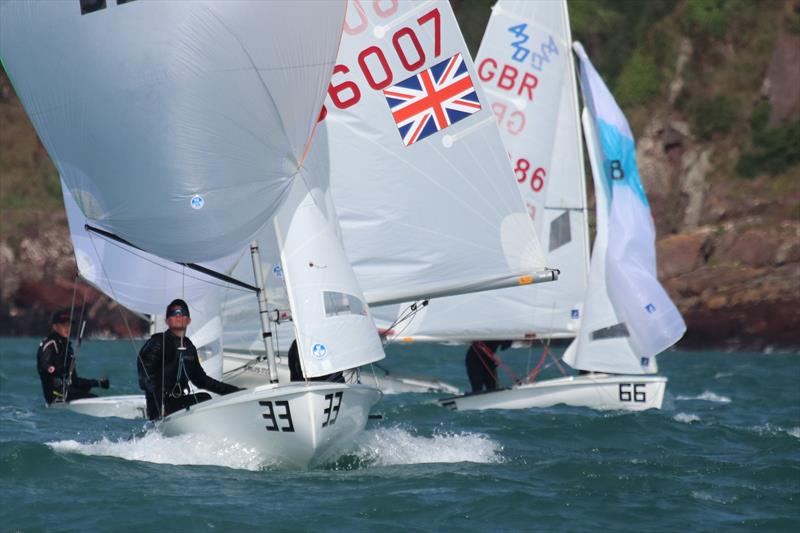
<point x="168" y="362"/>
<point x="55" y="362"/>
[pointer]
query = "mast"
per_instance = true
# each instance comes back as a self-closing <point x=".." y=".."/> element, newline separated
<point x="266" y="334"/>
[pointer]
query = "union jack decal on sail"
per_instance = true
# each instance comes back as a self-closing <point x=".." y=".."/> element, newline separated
<point x="432" y="100"/>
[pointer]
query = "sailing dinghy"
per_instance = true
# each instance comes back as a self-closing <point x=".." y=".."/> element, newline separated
<point x="627" y="316"/>
<point x="421" y="183"/>
<point x="184" y="146"/>
<point x="216" y="115"/>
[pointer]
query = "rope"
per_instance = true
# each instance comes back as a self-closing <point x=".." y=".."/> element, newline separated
<point x="535" y="372"/>
<point x="486" y="351"/>
<point x="114" y="297"/>
<point x="68" y="376"/>
<point x="79" y="336"/>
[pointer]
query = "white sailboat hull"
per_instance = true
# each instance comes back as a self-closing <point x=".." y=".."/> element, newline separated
<point x="291" y="426"/>
<point x="243" y="371"/>
<point x="128" y="406"/>
<point x="597" y="391"/>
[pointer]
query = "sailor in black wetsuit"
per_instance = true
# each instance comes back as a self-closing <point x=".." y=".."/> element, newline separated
<point x="481" y="364"/>
<point x="166" y="364"/>
<point x="296" y="371"/>
<point x="55" y="362"/>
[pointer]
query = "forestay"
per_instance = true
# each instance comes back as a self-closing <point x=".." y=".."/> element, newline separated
<point x="628" y="318"/>
<point x="422" y="185"/>
<point x="526" y="69"/>
<point x="184" y="142"/>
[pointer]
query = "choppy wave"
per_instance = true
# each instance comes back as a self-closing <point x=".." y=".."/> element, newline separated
<point x="686" y="418"/>
<point x="707" y="396"/>
<point x="154" y="447"/>
<point x="769" y="429"/>
<point x="395" y="446"/>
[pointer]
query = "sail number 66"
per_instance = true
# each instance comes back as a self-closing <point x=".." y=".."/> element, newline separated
<point x="637" y="395"/>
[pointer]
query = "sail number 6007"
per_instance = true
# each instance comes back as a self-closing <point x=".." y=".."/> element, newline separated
<point x="372" y="60"/>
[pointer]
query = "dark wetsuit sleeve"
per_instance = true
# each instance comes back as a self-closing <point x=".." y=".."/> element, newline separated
<point x="44" y="359"/>
<point x="83" y="383"/>
<point x="149" y="359"/>
<point x="47" y="364"/>
<point x="199" y="377"/>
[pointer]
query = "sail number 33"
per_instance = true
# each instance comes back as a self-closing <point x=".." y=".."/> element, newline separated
<point x="278" y="414"/>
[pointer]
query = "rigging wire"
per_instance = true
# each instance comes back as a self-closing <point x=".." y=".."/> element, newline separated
<point x="406" y="315"/>
<point x="116" y="299"/>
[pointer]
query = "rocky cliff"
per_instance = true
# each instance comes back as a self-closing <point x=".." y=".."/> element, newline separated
<point x="712" y="90"/>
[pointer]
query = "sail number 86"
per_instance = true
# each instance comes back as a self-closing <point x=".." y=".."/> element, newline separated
<point x="522" y="169"/>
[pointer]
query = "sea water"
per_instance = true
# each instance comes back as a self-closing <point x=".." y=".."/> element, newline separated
<point x="722" y="454"/>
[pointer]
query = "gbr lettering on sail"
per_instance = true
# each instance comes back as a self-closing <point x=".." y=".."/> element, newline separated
<point x="521" y="65"/>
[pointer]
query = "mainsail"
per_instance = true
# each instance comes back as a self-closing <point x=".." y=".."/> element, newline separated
<point x="628" y="316"/>
<point x="421" y="182"/>
<point x="178" y="126"/>
<point x="525" y="67"/>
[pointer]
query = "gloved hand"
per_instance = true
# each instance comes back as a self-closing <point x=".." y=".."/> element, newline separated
<point x="104" y="383"/>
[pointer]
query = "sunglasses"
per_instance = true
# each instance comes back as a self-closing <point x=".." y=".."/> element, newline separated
<point x="177" y="312"/>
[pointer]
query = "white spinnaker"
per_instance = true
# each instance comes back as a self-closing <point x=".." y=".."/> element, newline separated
<point x="139" y="281"/>
<point x="176" y="125"/>
<point x="441" y="214"/>
<point x="653" y="322"/>
<point x="541" y="131"/>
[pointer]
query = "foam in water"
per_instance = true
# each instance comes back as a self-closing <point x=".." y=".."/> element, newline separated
<point x="705" y="496"/>
<point x="154" y="447"/>
<point x="381" y="447"/>
<point x="769" y="429"/>
<point x="686" y="418"/>
<point x="395" y="446"/>
<point x="707" y="396"/>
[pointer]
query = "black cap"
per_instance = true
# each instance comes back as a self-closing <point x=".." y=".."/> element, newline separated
<point x="177" y="302"/>
<point x="62" y="316"/>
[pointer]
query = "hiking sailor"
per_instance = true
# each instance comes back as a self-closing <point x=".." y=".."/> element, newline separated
<point x="166" y="364"/>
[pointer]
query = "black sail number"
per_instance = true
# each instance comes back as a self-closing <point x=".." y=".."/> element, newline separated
<point x="334" y="403"/>
<point x="278" y="415"/>
<point x="632" y="392"/>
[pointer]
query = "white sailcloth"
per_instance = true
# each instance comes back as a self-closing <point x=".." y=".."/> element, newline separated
<point x="176" y="125"/>
<point x="628" y="317"/>
<point x="422" y="185"/>
<point x="526" y="69"/>
<point x="145" y="283"/>
<point x="333" y="326"/>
